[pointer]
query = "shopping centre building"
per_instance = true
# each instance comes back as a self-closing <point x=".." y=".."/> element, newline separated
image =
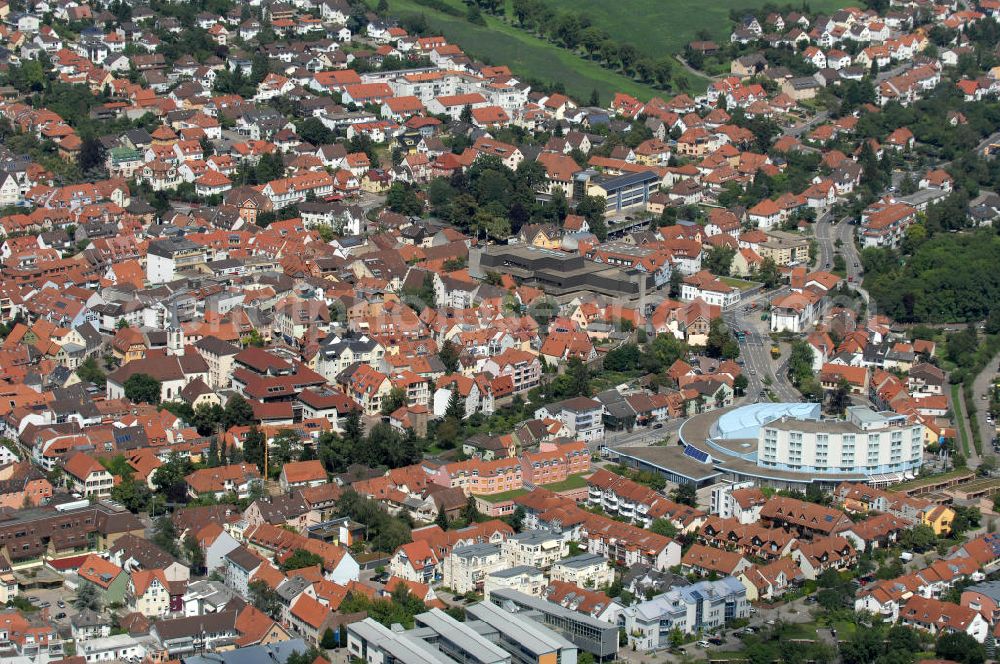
<point x="789" y="445"/>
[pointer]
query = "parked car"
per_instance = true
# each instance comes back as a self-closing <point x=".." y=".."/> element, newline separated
<point x="703" y="644"/>
<point x="60" y="615"/>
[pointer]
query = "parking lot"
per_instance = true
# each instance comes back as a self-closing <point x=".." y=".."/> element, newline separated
<point x="52" y="597"/>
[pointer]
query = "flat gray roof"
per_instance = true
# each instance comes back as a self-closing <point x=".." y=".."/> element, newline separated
<point x="539" y="604"/>
<point x="404" y="648"/>
<point x="582" y="560"/>
<point x="533" y="637"/>
<point x="515" y="571"/>
<point x="671" y="459"/>
<point x="473" y="550"/>
<point x="534" y="536"/>
<point x="463" y="637"/>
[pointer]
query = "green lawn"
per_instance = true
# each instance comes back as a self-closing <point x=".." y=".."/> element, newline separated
<point x="571" y="482"/>
<point x="501" y="497"/>
<point x="530" y="57"/>
<point x="659" y="27"/>
<point x="739" y="283"/>
<point x="960" y="420"/>
<point x="933" y="479"/>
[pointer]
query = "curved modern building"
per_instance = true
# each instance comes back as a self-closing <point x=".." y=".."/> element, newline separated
<point x="792" y="444"/>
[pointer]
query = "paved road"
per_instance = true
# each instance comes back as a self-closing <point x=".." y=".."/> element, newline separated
<point x="982" y="387"/>
<point x="822" y="116"/>
<point x="802" y="127"/>
<point x="827" y="232"/>
<point x="755" y="349"/>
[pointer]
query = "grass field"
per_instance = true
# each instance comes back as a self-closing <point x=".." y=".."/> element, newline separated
<point x="742" y="284"/>
<point x="664" y="27"/>
<point x="934" y="479"/>
<point x="528" y="56"/>
<point x="960" y="420"/>
<point x="571" y="482"/>
<point x="501" y="497"/>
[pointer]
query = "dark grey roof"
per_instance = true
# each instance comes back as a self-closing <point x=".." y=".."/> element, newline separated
<point x="243" y="557"/>
<point x="210" y="623"/>
<point x="216" y="346"/>
<point x="290" y="588"/>
<point x="275" y="653"/>
<point x="88" y="618"/>
<point x="148" y="555"/>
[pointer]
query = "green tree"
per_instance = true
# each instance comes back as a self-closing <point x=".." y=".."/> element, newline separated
<point x="516" y="519"/>
<point x="314" y="131"/>
<point x="664" y="350"/>
<point x="663" y="527"/>
<point x="494" y="226"/>
<point x="394" y="400"/>
<point x="91" y="155"/>
<point x="300" y="558"/>
<point x="265" y="599"/>
<point x="212" y="459"/>
<point x="720" y="343"/>
<point x="237" y="413"/>
<point x="471" y="513"/>
<point x="960" y="647"/>
<point x="456" y="406"/>
<point x="207" y="418"/>
<point x="169" y="478"/>
<point x="90" y="372"/>
<point x="194" y="553"/>
<point x="86" y="598"/>
<point x="579" y="377"/>
<point x="966" y="518"/>
<point x="768" y="273"/>
<point x="719" y="260"/>
<point x="329" y="640"/>
<point x="165" y="535"/>
<point x="253" y="448"/>
<point x="448" y="354"/>
<point x="142" y="388"/>
<point x="623" y="358"/>
<point x="260" y="67"/>
<point x="283" y="447"/>
<point x="270" y="167"/>
<point x="401" y="198"/>
<point x="385" y="533"/>
<point x="676" y="282"/>
<point x="685" y="494"/>
<point x="920" y="538"/>
<point x="840" y="398"/>
<point x="132" y="494"/>
<point x="592" y="208"/>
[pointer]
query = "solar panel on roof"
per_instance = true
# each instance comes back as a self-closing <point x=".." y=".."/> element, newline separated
<point x="696" y="454"/>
